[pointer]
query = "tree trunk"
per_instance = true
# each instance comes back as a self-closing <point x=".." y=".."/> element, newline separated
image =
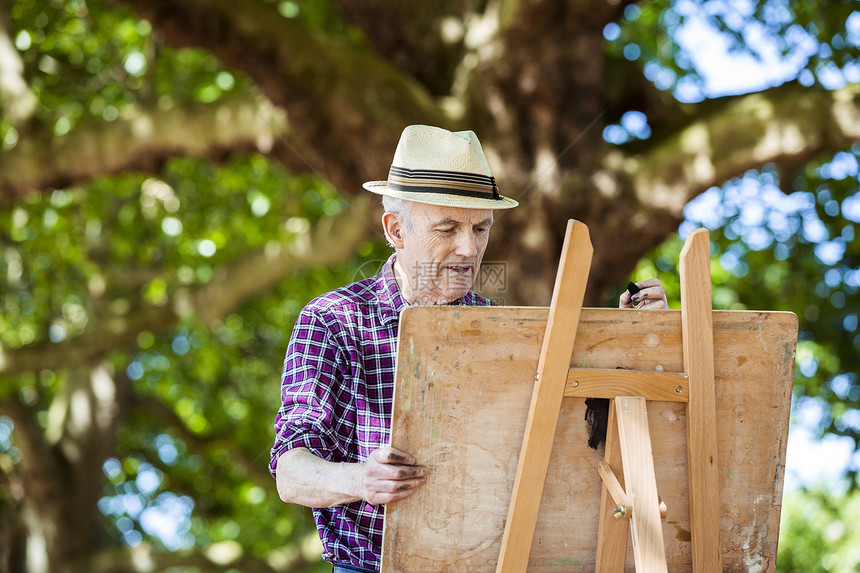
<point x="59" y="481"/>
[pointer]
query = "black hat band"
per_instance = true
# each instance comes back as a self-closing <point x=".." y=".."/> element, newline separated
<point x="444" y="182"/>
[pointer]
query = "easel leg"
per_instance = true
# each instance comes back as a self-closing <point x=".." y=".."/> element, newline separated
<point x="649" y="552"/>
<point x="698" y="344"/>
<point x="612" y="531"/>
<point x="553" y="367"/>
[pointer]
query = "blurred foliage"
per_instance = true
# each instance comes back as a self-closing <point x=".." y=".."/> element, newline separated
<point x="142" y="237"/>
<point x="780" y="239"/>
<point x="192" y="471"/>
<point x="797" y="253"/>
<point x="88" y="61"/>
<point x="821" y="34"/>
<point x="819" y="532"/>
<point x="188" y="470"/>
<point x="320" y="15"/>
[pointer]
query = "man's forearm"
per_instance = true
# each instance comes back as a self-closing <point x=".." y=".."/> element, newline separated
<point x="387" y="475"/>
<point x="306" y="479"/>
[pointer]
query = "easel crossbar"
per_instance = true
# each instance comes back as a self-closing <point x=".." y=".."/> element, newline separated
<point x="609" y="383"/>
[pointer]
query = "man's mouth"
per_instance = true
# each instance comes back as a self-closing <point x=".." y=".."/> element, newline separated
<point x="462" y="269"/>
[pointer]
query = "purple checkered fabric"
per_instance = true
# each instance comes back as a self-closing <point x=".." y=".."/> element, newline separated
<point x="336" y="391"/>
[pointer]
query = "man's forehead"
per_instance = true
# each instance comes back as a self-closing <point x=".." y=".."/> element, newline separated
<point x="435" y="214"/>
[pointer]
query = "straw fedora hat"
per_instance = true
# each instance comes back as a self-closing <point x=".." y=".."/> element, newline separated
<point x="433" y="165"/>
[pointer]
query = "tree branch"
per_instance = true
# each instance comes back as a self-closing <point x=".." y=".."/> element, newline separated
<point x="788" y="125"/>
<point x="412" y="36"/>
<point x="168" y="418"/>
<point x="28" y="435"/>
<point x="647" y="184"/>
<point x="346" y="101"/>
<point x="331" y="240"/>
<point x="6" y="469"/>
<point x="140" y="139"/>
<point x="38" y="457"/>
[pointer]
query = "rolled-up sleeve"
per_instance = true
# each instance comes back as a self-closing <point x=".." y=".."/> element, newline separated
<point x="309" y="381"/>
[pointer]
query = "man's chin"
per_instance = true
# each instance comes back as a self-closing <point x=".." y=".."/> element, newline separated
<point x="445" y="296"/>
<point x="453" y="294"/>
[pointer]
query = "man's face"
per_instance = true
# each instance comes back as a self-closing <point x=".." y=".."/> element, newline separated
<point x="441" y="252"/>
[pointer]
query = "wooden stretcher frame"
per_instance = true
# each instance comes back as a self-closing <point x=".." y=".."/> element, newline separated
<point x="413" y="526"/>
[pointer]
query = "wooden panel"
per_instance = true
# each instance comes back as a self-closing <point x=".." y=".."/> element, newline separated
<point x="550" y="380"/>
<point x="465" y="380"/>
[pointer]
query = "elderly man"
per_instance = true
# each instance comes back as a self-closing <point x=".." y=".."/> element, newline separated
<point x="338" y="378"/>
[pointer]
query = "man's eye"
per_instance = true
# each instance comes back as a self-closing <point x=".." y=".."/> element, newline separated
<point x="481" y="230"/>
<point x="446" y="231"/>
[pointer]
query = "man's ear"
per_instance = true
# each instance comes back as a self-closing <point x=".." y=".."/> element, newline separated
<point x="393" y="229"/>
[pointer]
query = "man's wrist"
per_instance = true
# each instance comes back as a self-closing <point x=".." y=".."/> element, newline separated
<point x="353" y="479"/>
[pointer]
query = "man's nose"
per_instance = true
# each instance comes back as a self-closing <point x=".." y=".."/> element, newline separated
<point x="467" y="245"/>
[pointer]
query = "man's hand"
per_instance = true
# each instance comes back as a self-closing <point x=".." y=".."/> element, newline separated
<point x="388" y="475"/>
<point x="650" y="295"/>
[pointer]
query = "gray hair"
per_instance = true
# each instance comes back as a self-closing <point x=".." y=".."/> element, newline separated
<point x="401" y="208"/>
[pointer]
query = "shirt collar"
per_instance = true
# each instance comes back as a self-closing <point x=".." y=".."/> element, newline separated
<point x="391" y="301"/>
<point x="467" y="299"/>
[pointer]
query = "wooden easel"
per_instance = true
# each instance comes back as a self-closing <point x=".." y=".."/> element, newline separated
<point x="628" y="442"/>
<point x="469" y="380"/>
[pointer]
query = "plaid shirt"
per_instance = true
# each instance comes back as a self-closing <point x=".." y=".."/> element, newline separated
<point x="336" y="391"/>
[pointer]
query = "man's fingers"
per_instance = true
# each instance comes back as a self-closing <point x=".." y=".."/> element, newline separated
<point x="403" y="485"/>
<point x="656" y="304"/>
<point x="389" y="455"/>
<point x="385" y="491"/>
<point x="399" y="490"/>
<point x="395" y="472"/>
<point x="651" y="293"/>
<point x="651" y="288"/>
<point x="392" y="464"/>
<point x="394" y="486"/>
<point x="650" y="296"/>
<point x="390" y="474"/>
